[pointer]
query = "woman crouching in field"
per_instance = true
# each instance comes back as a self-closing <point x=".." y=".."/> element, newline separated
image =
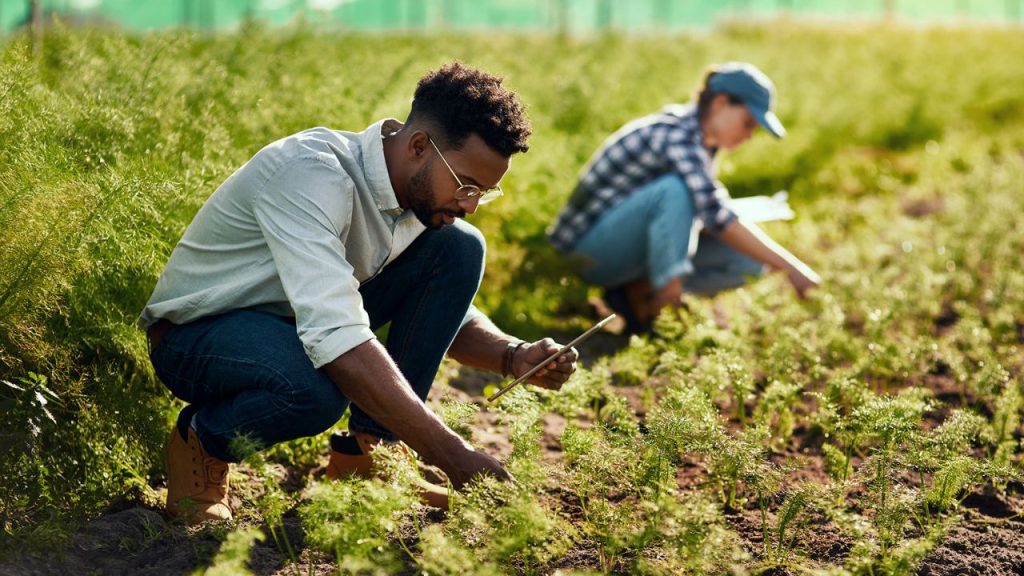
<point x="648" y="212"/>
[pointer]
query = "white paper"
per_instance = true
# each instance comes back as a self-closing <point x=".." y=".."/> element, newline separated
<point x="763" y="208"/>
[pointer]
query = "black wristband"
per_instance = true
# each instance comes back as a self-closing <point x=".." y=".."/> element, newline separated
<point x="510" y="354"/>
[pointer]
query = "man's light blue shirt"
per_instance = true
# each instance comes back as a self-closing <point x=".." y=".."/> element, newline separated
<point x="295" y="231"/>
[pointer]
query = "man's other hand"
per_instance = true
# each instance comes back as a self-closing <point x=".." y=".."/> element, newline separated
<point x="469" y="462"/>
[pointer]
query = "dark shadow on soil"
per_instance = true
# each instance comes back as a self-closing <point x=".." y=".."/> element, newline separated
<point x="133" y="541"/>
<point x="140" y="541"/>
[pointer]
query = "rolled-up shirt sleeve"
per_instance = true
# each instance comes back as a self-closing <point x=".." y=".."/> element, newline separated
<point x="471" y="314"/>
<point x="710" y="198"/>
<point x="303" y="211"/>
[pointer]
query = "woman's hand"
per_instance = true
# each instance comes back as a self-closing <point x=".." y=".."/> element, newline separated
<point x="803" y="279"/>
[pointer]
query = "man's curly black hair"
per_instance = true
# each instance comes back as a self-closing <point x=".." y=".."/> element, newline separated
<point x="460" y="101"/>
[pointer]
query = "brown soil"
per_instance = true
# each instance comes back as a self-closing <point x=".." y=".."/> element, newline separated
<point x="819" y="543"/>
<point x="979" y="546"/>
<point x="989" y="541"/>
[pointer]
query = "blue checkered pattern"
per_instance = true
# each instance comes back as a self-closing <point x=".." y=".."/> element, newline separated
<point x="641" y="151"/>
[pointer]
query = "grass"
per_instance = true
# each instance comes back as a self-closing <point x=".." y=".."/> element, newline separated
<point x="904" y="163"/>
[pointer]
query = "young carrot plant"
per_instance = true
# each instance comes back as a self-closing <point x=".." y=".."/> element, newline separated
<point x="892" y="423"/>
<point x="774" y="410"/>
<point x="442" y="555"/>
<point x="508" y="523"/>
<point x="355" y="520"/>
<point x="272" y="503"/>
<point x="789" y="520"/>
<point x="233" y="554"/>
<point x="520" y="409"/>
<point x="1005" y="422"/>
<point x="738" y="460"/>
<point x="459" y="416"/>
<point x="632" y="366"/>
<point x="583" y="391"/>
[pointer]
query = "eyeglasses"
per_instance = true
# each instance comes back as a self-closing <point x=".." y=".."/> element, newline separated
<point x="469" y="191"/>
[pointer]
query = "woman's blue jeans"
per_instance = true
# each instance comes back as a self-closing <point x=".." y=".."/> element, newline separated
<point x="652" y="235"/>
<point x="245" y="372"/>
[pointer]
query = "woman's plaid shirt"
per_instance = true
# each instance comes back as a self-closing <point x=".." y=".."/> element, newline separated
<point x="669" y="141"/>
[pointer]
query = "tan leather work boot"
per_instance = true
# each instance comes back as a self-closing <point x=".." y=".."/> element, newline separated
<point x="350" y="458"/>
<point x="197" y="483"/>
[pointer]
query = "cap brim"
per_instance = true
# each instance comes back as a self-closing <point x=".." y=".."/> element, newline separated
<point x="770" y="122"/>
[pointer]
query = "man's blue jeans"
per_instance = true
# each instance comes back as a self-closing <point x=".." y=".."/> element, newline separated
<point x="651" y="234"/>
<point x="245" y="372"/>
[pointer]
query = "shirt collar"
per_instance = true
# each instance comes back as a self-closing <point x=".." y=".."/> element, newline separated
<point x="371" y="141"/>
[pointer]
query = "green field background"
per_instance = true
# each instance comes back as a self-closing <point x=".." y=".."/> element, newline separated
<point x="110" y="142"/>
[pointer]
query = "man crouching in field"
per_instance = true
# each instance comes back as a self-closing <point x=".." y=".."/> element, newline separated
<point x="263" y="320"/>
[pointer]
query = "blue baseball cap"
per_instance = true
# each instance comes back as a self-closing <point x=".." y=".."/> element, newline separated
<point x="753" y="88"/>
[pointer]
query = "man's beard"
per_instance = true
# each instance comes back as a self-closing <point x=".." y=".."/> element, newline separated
<point x="421" y="199"/>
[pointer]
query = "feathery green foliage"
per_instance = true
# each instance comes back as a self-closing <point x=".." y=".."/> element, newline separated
<point x="907" y="189"/>
<point x="233" y="554"/>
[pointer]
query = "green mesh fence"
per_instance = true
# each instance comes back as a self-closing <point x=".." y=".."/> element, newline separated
<point x="577" y="16"/>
